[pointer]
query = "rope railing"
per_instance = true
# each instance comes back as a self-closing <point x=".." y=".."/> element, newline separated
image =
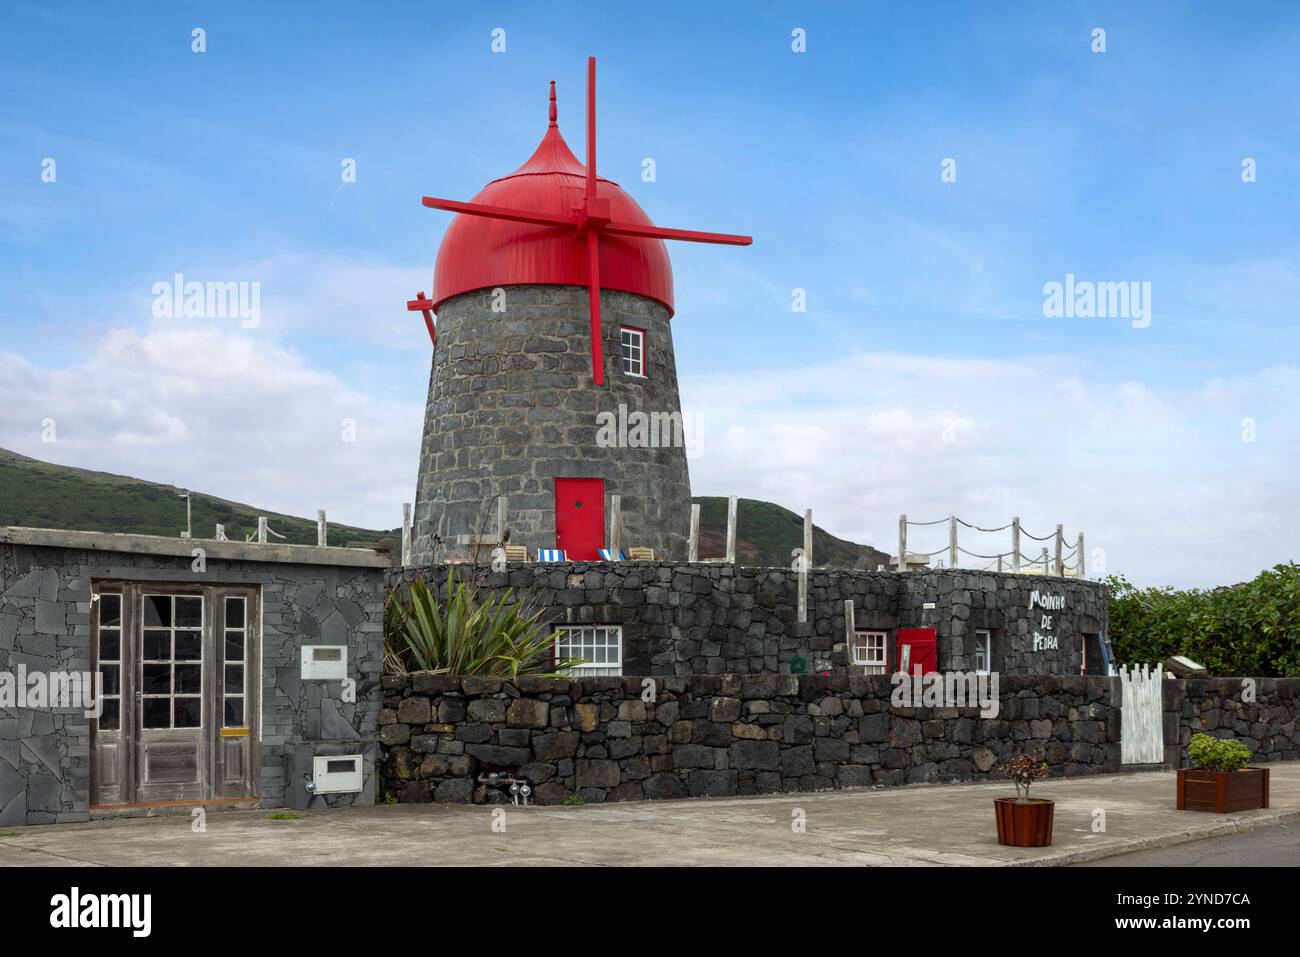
<point x="1058" y="564"/>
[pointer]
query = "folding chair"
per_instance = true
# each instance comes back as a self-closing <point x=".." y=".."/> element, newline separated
<point x="516" y="553"/>
<point x="641" y="554"/>
<point x="607" y="555"/>
<point x="551" y="555"/>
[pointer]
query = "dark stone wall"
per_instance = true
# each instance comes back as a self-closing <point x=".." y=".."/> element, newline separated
<point x="45" y="624"/>
<point x="512" y="406"/>
<point x="1267" y="724"/>
<point x="680" y="618"/>
<point x="720" y="735"/>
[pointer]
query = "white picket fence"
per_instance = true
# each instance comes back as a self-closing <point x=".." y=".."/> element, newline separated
<point x="1142" y="726"/>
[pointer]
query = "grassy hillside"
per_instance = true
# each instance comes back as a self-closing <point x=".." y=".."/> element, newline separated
<point x="38" y="494"/>
<point x="767" y="533"/>
<point x="41" y="495"/>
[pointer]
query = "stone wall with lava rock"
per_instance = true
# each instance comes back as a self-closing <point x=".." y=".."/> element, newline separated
<point x="618" y="739"/>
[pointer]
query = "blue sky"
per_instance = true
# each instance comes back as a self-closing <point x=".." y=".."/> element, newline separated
<point x="924" y="297"/>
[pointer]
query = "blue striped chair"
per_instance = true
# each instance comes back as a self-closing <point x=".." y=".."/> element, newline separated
<point x="551" y="555"/>
<point x="614" y="556"/>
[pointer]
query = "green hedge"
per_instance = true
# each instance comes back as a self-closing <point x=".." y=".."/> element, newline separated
<point x="1247" y="629"/>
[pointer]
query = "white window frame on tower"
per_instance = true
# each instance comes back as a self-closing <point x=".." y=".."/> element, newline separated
<point x="984" y="641"/>
<point x="600" y="645"/>
<point x="633" y="367"/>
<point x="871" y="650"/>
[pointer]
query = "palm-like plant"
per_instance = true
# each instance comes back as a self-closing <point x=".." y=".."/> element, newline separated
<point x="499" y="637"/>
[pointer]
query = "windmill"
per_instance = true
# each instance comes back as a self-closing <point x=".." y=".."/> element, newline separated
<point x="589" y="224"/>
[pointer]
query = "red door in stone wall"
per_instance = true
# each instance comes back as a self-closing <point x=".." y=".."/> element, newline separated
<point x="580" y="517"/>
<point x="924" y="645"/>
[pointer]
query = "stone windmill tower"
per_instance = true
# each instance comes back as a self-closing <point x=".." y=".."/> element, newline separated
<point x="554" y="382"/>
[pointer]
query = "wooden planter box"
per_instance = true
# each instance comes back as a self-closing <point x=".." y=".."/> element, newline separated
<point x="1024" y="825"/>
<point x="1222" y="791"/>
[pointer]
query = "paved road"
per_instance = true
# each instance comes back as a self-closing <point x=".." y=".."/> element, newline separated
<point x="1266" y="847"/>
<point x="944" y="825"/>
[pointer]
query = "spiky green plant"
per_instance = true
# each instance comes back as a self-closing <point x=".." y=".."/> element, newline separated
<point x="500" y="636"/>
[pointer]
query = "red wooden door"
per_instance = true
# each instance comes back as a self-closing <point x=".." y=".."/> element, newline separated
<point x="924" y="644"/>
<point x="580" y="517"/>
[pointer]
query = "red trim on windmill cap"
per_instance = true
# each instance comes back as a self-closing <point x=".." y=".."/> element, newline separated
<point x="480" y="252"/>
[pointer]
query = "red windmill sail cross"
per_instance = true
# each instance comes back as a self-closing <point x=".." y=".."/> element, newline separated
<point x="589" y="222"/>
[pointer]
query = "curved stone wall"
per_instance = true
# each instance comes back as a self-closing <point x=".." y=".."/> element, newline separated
<point x="512" y="406"/>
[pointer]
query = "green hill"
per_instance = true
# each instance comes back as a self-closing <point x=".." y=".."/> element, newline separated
<point x="41" y="495"/>
<point x="767" y="533"/>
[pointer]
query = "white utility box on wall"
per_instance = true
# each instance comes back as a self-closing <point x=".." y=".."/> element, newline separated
<point x="332" y="775"/>
<point x="325" y="662"/>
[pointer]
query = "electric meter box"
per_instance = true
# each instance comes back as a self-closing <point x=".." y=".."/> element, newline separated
<point x="334" y="775"/>
<point x="325" y="662"/>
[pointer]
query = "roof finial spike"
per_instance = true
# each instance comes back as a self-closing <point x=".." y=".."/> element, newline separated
<point x="553" y="123"/>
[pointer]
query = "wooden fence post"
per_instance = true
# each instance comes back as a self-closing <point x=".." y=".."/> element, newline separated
<point x="805" y="562"/>
<point x="320" y="528"/>
<point x="502" y="509"/>
<point x="693" y="543"/>
<point x="952" y="541"/>
<point x="731" y="530"/>
<point x="615" y="524"/>
<point x="1079" y="567"/>
<point x="406" y="535"/>
<point x="1060" y="544"/>
<point x="848" y="629"/>
<point x="902" y="543"/>
<point x="1015" y="544"/>
<point x="261" y="529"/>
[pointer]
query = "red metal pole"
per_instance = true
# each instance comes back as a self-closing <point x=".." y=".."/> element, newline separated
<point x="593" y="295"/>
<point x="591" y="127"/>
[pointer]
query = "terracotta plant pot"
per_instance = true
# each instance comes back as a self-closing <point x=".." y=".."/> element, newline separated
<point x="1024" y="823"/>
<point x="1222" y="791"/>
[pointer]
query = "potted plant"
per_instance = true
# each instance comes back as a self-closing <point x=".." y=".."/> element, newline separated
<point x="1022" y="821"/>
<point x="1222" y="780"/>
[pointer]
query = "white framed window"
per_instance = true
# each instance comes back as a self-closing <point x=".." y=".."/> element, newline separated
<point x="982" y="653"/>
<point x="632" y="343"/>
<point x="600" y="647"/>
<point x="171" y="661"/>
<point x="869" y="650"/>
<point x="108" y="654"/>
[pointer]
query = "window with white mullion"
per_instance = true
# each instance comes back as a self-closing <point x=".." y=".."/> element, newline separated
<point x="234" y="685"/>
<point x="171" y="661"/>
<point x="599" y="646"/>
<point x="632" y="344"/>
<point x="108" y="654"/>
<point x="869" y="651"/>
<point x="982" y="653"/>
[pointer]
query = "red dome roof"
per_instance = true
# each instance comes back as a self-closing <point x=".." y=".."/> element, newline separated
<point x="481" y="252"/>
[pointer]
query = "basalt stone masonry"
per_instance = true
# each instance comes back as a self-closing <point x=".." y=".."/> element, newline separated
<point x="1261" y="713"/>
<point x="512" y="407"/>
<point x="308" y="596"/>
<point x="679" y="618"/>
<point x="706" y="735"/>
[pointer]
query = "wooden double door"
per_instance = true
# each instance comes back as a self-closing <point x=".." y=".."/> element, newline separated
<point x="179" y="672"/>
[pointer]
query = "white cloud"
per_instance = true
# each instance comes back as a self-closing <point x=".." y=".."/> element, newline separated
<point x="221" y="413"/>
<point x="1160" y="479"/>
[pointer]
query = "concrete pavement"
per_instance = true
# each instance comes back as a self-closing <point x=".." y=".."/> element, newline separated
<point x="931" y="825"/>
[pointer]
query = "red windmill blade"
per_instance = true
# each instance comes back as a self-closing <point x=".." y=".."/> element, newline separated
<point x="588" y="222"/>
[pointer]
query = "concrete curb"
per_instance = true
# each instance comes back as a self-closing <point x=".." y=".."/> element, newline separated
<point x="1233" y="825"/>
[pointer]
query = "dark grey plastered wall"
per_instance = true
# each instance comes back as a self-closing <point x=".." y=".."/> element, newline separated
<point x="45" y="625"/>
